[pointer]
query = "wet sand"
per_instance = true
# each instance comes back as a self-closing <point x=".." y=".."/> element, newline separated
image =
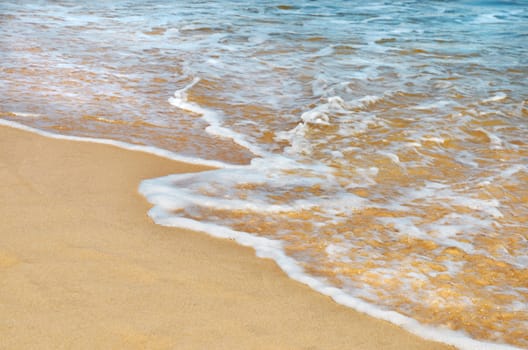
<point x="82" y="266"/>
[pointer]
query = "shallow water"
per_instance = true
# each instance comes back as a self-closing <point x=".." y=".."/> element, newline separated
<point x="383" y="145"/>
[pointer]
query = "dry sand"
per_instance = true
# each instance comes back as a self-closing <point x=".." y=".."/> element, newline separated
<point x="83" y="267"/>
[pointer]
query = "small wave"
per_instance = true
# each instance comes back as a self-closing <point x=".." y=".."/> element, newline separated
<point x="213" y="118"/>
<point x="488" y="18"/>
<point x="25" y="114"/>
<point x="499" y="97"/>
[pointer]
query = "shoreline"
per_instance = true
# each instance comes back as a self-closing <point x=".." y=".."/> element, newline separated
<point x="81" y="265"/>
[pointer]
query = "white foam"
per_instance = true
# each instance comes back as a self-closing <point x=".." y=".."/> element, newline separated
<point x="337" y="252"/>
<point x="315" y="117"/>
<point x="326" y="51"/>
<point x="296" y="137"/>
<point x="391" y="156"/>
<point x="320" y="114"/>
<point x="369" y="99"/>
<point x="434" y="105"/>
<point x="337" y="154"/>
<point x="499" y="97"/>
<point x="26" y="115"/>
<point x="489" y="206"/>
<point x="146" y="149"/>
<point x="433" y="139"/>
<point x="487" y="18"/>
<point x="213" y="118"/>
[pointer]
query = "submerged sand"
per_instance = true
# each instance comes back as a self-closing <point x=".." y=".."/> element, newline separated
<point x="82" y="266"/>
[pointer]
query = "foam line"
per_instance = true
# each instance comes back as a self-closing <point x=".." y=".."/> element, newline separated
<point x="212" y="118"/>
<point x="139" y="148"/>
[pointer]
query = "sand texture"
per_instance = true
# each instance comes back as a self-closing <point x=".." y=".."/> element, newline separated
<point x="83" y="267"/>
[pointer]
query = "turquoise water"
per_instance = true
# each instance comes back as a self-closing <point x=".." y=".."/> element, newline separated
<point x="377" y="151"/>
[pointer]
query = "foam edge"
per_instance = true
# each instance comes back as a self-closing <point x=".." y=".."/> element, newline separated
<point x="128" y="146"/>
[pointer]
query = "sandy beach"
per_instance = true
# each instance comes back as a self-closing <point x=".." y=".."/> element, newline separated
<point x="83" y="267"/>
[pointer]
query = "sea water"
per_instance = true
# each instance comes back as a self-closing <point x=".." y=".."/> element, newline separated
<point x="378" y="151"/>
